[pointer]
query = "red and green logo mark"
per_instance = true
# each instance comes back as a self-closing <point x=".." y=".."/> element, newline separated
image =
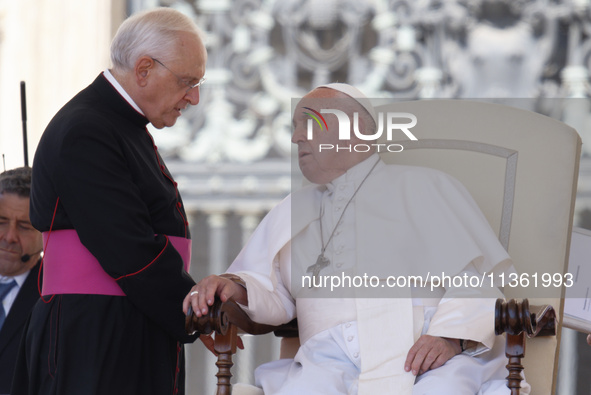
<point x="315" y="116"/>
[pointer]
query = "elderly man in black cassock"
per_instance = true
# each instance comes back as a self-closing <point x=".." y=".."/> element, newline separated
<point x="115" y="232"/>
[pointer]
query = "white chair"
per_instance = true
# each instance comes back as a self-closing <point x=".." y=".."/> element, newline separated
<point x="521" y="168"/>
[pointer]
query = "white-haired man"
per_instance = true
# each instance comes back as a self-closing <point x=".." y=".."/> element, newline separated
<point x="114" y="226"/>
<point x="360" y="216"/>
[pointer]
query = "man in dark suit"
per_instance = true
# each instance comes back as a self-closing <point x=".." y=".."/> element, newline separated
<point x="20" y="250"/>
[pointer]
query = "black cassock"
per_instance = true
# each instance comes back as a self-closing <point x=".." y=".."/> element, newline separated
<point x="97" y="157"/>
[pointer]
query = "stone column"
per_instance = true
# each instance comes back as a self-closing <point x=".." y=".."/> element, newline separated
<point x="218" y="242"/>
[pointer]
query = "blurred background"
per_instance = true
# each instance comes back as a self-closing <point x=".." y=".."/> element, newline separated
<point x="231" y="154"/>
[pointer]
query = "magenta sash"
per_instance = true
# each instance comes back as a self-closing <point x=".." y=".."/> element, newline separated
<point x="69" y="268"/>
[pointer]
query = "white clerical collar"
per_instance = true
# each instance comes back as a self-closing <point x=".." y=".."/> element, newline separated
<point x="354" y="174"/>
<point x="121" y="91"/>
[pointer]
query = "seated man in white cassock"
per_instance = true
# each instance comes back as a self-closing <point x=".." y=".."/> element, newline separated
<point x="360" y="217"/>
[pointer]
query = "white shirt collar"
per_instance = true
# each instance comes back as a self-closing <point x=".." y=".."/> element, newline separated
<point x="121" y="91"/>
<point x="20" y="279"/>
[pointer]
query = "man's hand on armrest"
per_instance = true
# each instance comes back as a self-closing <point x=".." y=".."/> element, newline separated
<point x="203" y="294"/>
<point x="430" y="352"/>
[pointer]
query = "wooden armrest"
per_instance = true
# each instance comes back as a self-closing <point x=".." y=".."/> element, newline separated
<point x="517" y="319"/>
<point x="514" y="317"/>
<point x="227" y="320"/>
<point x="223" y="314"/>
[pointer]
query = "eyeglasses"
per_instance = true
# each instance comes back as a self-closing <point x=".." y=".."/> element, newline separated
<point x="181" y="80"/>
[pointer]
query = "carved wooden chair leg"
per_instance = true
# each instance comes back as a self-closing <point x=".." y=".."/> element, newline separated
<point x="225" y="340"/>
<point x="514" y="319"/>
<point x="515" y="350"/>
<point x="226" y="319"/>
<point x="225" y="346"/>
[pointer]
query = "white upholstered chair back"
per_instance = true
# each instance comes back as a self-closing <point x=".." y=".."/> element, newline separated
<point x="521" y="168"/>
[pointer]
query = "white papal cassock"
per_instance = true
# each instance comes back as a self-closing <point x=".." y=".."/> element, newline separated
<point x="403" y="222"/>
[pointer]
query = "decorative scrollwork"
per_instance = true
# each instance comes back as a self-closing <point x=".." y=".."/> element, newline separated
<point x="263" y="53"/>
<point x="513" y="317"/>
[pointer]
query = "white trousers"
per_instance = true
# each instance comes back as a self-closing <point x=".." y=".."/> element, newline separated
<point x="329" y="364"/>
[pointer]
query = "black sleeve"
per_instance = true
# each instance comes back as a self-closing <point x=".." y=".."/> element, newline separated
<point x="99" y="195"/>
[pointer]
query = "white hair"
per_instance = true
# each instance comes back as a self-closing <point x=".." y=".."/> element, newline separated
<point x="149" y="33"/>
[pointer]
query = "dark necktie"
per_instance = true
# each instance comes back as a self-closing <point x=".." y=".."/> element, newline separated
<point x="4" y="290"/>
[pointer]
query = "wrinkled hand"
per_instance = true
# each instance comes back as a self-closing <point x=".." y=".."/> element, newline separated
<point x="430" y="352"/>
<point x="202" y="295"/>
